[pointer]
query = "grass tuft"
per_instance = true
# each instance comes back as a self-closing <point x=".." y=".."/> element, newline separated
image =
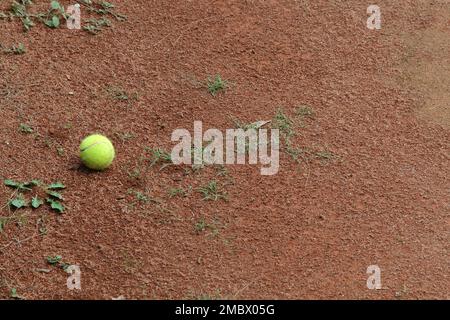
<point x="216" y="84"/>
<point x="211" y="191"/>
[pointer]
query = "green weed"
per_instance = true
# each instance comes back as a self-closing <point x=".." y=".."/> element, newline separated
<point x="202" y="225"/>
<point x="304" y="112"/>
<point x="55" y="15"/>
<point x="103" y="8"/>
<point x="285" y="124"/>
<point x="14" y="49"/>
<point x="216" y="84"/>
<point x="54" y="197"/>
<point x="211" y="191"/>
<point x="57" y="261"/>
<point x="14" y="295"/>
<point x="159" y="155"/>
<point x="174" y="192"/>
<point x="25" y="128"/>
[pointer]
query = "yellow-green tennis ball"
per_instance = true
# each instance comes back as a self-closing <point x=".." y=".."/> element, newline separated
<point x="97" y="152"/>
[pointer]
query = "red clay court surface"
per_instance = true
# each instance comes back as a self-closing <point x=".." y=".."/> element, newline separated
<point x="378" y="196"/>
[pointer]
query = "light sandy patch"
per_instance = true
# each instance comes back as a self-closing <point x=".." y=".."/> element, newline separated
<point x="426" y="67"/>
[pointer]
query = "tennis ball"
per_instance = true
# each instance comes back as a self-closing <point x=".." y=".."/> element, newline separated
<point x="96" y="152"/>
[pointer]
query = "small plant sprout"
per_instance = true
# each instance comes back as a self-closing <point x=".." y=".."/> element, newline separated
<point x="174" y="192"/>
<point x="201" y="225"/>
<point x="159" y="155"/>
<point x="216" y="84"/>
<point x="21" y="186"/>
<point x="53" y="16"/>
<point x="222" y="171"/>
<point x="20" y="10"/>
<point x="36" y="202"/>
<point x="25" y="128"/>
<point x="284" y="124"/>
<point x="303" y="112"/>
<point x="3" y="222"/>
<point x="14" y="49"/>
<point x="103" y="8"/>
<point x="325" y="155"/>
<point x="54" y="260"/>
<point x="54" y="197"/>
<point x="94" y="26"/>
<point x="212" y="192"/>
<point x="120" y="94"/>
<point x="60" y="151"/>
<point x="18" y="202"/>
<point x="14" y="295"/>
<point x="141" y="197"/>
<point x="57" y="261"/>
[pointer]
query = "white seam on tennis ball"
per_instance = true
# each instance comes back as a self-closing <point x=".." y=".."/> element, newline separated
<point x="94" y="144"/>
